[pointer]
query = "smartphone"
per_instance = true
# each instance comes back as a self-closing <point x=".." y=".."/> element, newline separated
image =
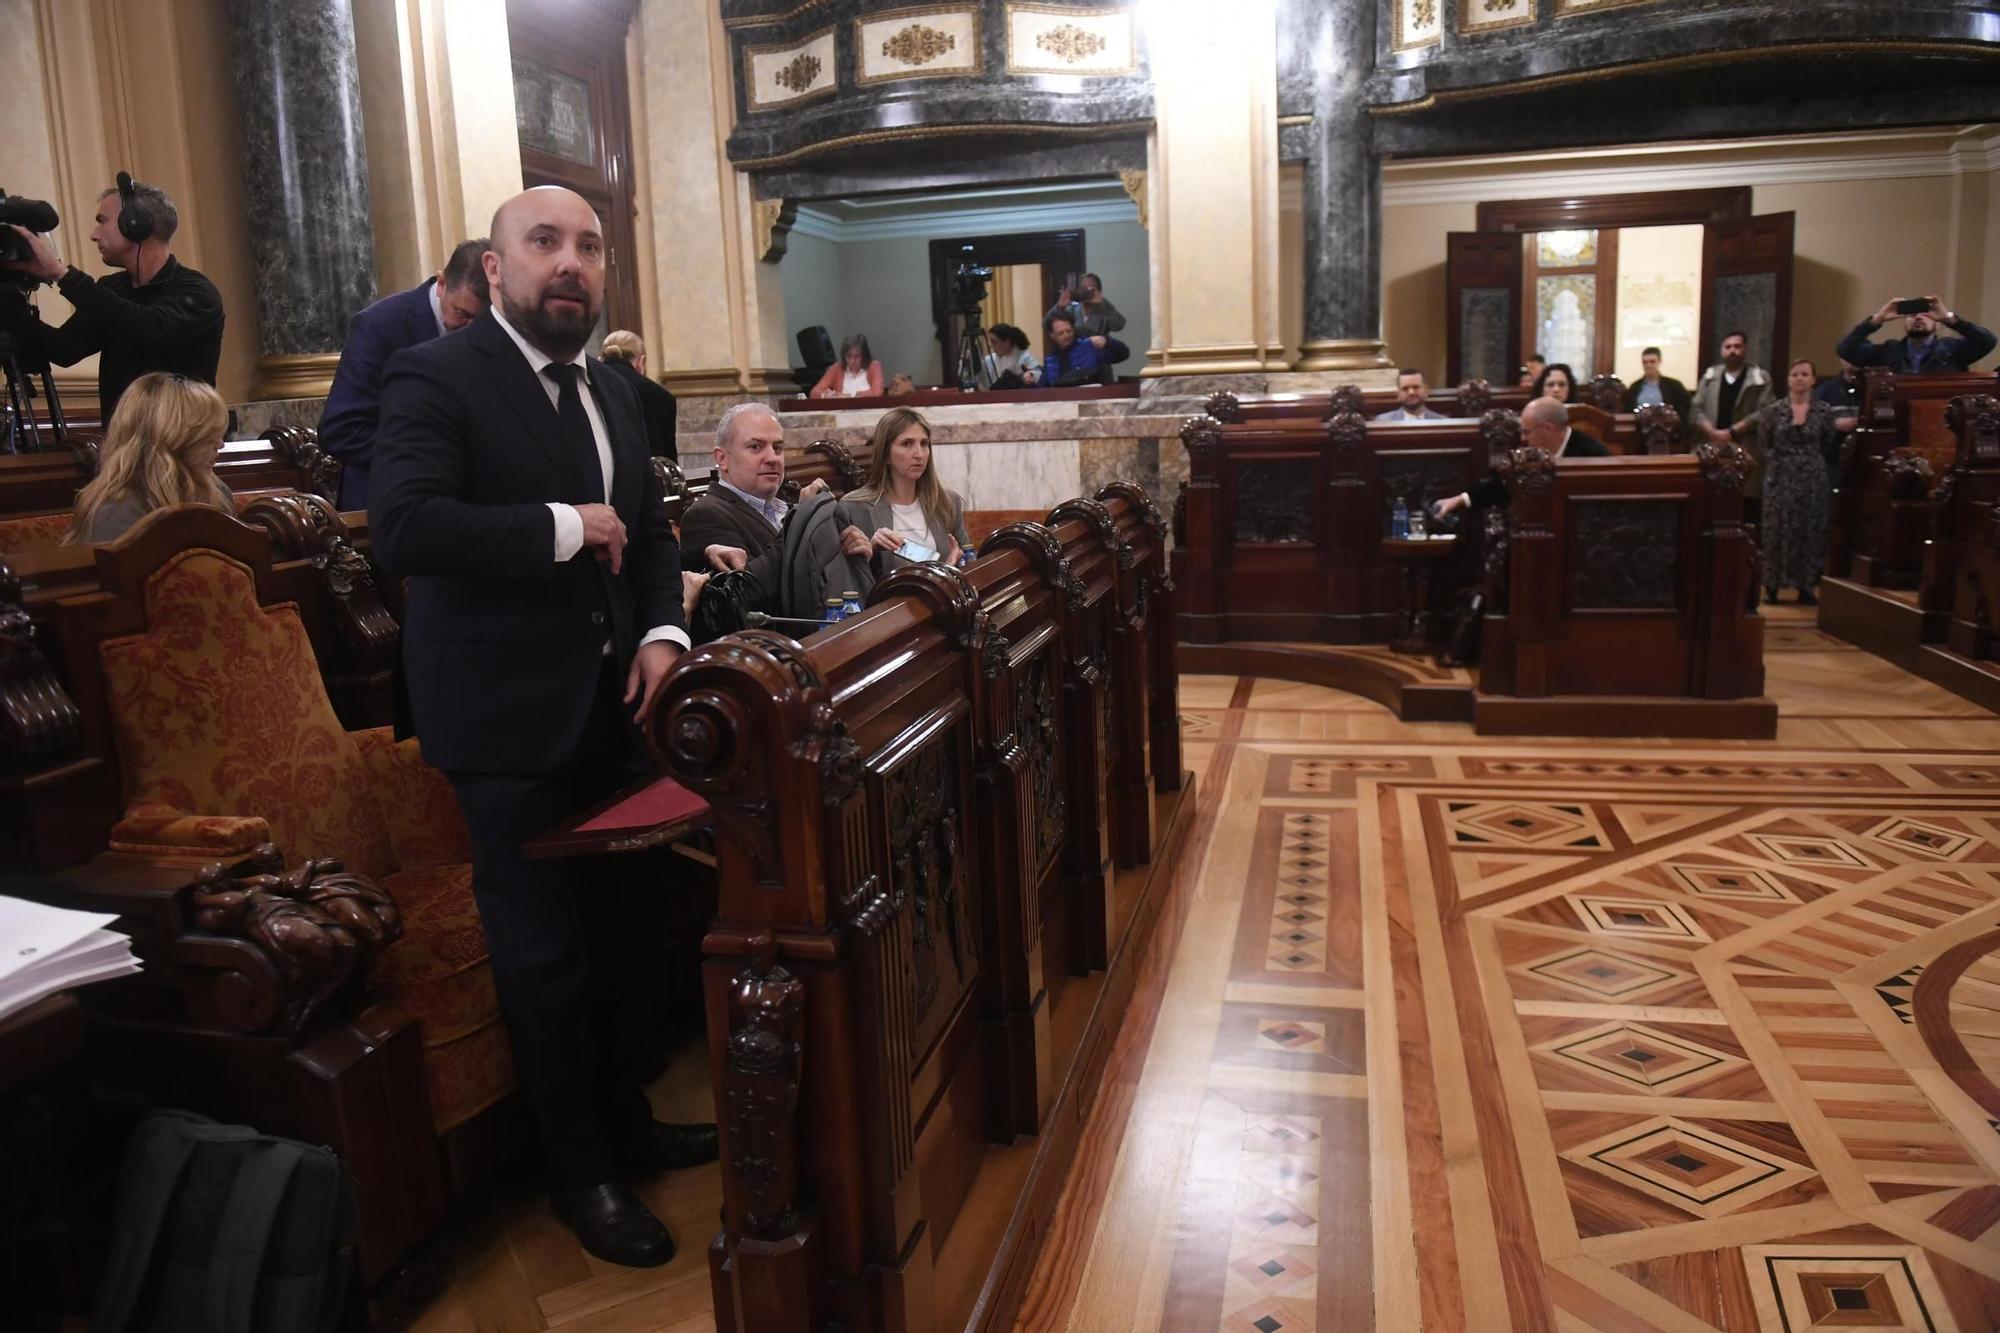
<point x="1913" y="305"/>
<point x="916" y="552"/>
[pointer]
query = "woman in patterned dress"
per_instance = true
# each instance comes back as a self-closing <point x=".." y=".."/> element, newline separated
<point x="1799" y="434"/>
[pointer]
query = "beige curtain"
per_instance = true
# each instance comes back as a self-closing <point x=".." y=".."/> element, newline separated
<point x="1014" y="297"/>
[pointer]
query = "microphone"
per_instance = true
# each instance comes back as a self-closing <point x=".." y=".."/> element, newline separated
<point x="759" y="619"/>
<point x="34" y="214"/>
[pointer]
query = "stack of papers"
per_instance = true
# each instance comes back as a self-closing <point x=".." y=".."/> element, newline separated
<point x="46" y="949"/>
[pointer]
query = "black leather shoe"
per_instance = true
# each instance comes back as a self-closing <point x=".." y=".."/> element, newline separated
<point x="663" y="1147"/>
<point x="613" y="1224"/>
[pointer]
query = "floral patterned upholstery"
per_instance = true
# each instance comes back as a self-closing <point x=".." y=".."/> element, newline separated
<point x="35" y="532"/>
<point x="219" y="709"/>
<point x="226" y="739"/>
<point x="426" y="827"/>
<point x="438" y="974"/>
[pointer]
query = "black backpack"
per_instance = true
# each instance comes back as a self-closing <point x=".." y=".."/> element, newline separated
<point x="220" y="1229"/>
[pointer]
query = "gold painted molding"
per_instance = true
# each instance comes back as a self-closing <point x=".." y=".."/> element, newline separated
<point x="1135" y="188"/>
<point x="1206" y="359"/>
<point x="1342" y="354"/>
<point x="297" y="375"/>
<point x="765" y="215"/>
<point x="1693" y="60"/>
<point x="769" y="381"/>
<point x="764" y="21"/>
<point x="938" y="132"/>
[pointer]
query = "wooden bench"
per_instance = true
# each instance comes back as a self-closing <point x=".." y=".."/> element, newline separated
<point x="922" y="947"/>
<point x="1654" y="429"/>
<point x="1278" y="533"/>
<point x="1883" y="511"/>
<point x="288" y="458"/>
<point x="1626" y="577"/>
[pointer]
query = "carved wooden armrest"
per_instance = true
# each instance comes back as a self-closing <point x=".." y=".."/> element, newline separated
<point x="247" y="946"/>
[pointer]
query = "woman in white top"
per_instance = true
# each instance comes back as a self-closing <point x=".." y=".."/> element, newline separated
<point x="856" y="375"/>
<point x="906" y="502"/>
<point x="1012" y="357"/>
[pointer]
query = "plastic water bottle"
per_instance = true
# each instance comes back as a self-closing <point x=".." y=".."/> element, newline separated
<point x="850" y="604"/>
<point x="1417" y="524"/>
<point x="834" y="614"/>
<point x="965" y="556"/>
<point x="1399" y="519"/>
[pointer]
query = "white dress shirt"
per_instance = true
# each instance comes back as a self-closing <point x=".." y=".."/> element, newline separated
<point x="569" y="523"/>
<point x="437" y="313"/>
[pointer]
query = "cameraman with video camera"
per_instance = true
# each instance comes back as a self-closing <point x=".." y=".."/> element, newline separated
<point x="157" y="314"/>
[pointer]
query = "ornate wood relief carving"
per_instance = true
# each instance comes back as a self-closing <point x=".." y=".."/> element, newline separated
<point x="1487" y="15"/>
<point x="1135" y="189"/>
<point x="1069" y="43"/>
<point x="1622" y="554"/>
<point x="1909" y="474"/>
<point x="929" y="872"/>
<point x="38" y="719"/>
<point x="1659" y="427"/>
<point x="319" y="470"/>
<point x="1416" y="24"/>
<point x="1222" y="405"/>
<point x="760" y="1095"/>
<point x="1274" y="500"/>
<point x="1725" y="464"/>
<point x="1037" y="728"/>
<point x="1975" y="419"/>
<point x="319" y="926"/>
<point x="1475" y="396"/>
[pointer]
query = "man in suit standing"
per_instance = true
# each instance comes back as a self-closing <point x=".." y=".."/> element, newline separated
<point x="435" y="307"/>
<point x="513" y="488"/>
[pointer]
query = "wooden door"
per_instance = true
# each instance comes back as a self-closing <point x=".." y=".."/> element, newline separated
<point x="574" y="115"/>
<point x="1746" y="284"/>
<point x="1483" y="310"/>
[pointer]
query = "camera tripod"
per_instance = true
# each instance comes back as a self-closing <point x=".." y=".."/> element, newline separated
<point x="20" y="427"/>
<point x="975" y="354"/>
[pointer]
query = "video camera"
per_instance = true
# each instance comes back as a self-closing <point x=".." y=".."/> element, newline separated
<point x="968" y="287"/>
<point x="34" y="214"/>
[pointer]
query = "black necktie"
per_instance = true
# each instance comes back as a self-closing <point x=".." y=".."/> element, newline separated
<point x="589" y="468"/>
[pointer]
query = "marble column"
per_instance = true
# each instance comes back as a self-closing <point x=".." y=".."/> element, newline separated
<point x="305" y="171"/>
<point x="1343" y="191"/>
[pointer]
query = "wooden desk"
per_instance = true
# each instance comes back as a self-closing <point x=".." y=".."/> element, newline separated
<point x="1419" y="558"/>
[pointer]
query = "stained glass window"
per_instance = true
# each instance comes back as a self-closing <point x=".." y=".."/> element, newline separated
<point x="1566" y="319"/>
<point x="1565" y="249"/>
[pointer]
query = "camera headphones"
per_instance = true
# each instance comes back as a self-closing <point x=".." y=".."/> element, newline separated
<point x="135" y="224"/>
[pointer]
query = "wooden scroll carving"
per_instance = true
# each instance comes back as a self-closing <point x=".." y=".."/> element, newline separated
<point x="1659" y="426"/>
<point x="1501" y="430"/>
<point x="319" y="927"/>
<point x="1909" y="475"/>
<point x="38" y="719"/>
<point x="319" y="470"/>
<point x="1347" y="398"/>
<point x="1223" y="405"/>
<point x="1606" y="392"/>
<point x="1528" y="471"/>
<point x="760" y="1093"/>
<point x="845" y="466"/>
<point x="1474" y="398"/>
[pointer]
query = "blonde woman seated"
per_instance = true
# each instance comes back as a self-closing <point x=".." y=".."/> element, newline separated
<point x="907" y="506"/>
<point x="159" y="450"/>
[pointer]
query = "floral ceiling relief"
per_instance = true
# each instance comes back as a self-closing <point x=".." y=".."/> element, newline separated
<point x="780" y="75"/>
<point x="1068" y="39"/>
<point x="1485" y="15"/>
<point x="916" y="43"/>
<point x="1417" y="24"/>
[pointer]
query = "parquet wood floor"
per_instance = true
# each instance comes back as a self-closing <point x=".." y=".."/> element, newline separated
<point x="1449" y="1033"/>
<point x="1464" y="1034"/>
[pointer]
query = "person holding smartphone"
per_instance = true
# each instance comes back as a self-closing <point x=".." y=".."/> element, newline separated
<point x="1921" y="350"/>
<point x="911" y="517"/>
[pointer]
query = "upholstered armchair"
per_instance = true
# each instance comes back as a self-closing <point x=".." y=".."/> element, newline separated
<point x="200" y="690"/>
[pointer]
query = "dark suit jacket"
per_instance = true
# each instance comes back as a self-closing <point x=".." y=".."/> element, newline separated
<point x="1491" y="490"/>
<point x="722" y="518"/>
<point x="353" y="405"/>
<point x="502" y="646"/>
<point x="657" y="404"/>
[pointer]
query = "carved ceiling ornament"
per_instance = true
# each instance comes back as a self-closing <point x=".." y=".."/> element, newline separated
<point x="1416" y="24"/>
<point x="1071" y="39"/>
<point x="918" y="44"/>
<point x="799" y="74"/>
<point x="1489" y="15"/>
<point x="1135" y="188"/>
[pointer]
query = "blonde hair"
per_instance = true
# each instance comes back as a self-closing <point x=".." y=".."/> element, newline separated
<point x="931" y="494"/>
<point x="623" y="345"/>
<point x="159" y="423"/>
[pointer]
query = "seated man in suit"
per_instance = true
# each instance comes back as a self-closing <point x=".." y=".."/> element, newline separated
<point x="437" y="306"/>
<point x="1412" y="399"/>
<point x="515" y="492"/>
<point x="740" y="523"/>
<point x="1544" y="426"/>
